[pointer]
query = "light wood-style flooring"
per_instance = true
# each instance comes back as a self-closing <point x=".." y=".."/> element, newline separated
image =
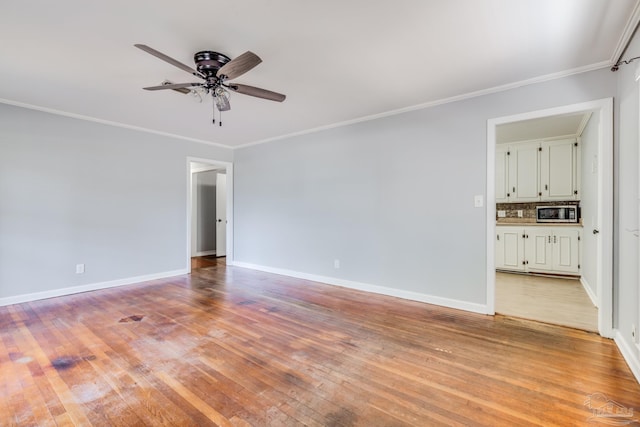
<point x="560" y="301"/>
<point x="233" y="347"/>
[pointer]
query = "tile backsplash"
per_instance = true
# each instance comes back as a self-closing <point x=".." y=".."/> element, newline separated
<point x="529" y="209"/>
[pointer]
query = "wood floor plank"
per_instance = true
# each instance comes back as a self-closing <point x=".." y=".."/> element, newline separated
<point x="235" y="347"/>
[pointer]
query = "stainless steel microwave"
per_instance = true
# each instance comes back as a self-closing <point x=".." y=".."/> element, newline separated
<point x="557" y="214"/>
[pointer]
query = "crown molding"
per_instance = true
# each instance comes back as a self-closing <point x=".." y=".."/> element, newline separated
<point x="627" y="33"/>
<point x="469" y="95"/>
<point x="109" y="122"/>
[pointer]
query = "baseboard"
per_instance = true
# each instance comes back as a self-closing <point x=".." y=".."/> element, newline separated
<point x="86" y="288"/>
<point x="205" y="253"/>
<point x="629" y="355"/>
<point x="383" y="290"/>
<point x="587" y="288"/>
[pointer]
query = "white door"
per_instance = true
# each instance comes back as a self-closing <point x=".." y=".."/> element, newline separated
<point x="221" y="215"/>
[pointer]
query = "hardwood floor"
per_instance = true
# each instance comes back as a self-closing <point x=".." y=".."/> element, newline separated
<point x="206" y="261"/>
<point x="553" y="300"/>
<point x="230" y="346"/>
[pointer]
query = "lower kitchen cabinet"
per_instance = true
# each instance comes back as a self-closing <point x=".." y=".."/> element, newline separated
<point x="510" y="248"/>
<point x="540" y="249"/>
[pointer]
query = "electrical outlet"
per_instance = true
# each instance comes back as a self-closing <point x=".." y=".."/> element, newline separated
<point x="502" y="214"/>
<point x="478" y="201"/>
<point x="520" y="213"/>
<point x="79" y="268"/>
<point x="336" y="263"/>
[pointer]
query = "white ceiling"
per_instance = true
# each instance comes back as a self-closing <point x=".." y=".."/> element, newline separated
<point x="566" y="125"/>
<point x="337" y="61"/>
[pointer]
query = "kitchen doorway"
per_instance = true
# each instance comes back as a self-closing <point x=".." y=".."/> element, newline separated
<point x="598" y="228"/>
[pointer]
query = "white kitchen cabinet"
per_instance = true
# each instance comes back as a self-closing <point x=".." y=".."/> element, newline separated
<point x="539" y="248"/>
<point x="502" y="174"/>
<point x="554" y="250"/>
<point x="566" y="250"/>
<point x="517" y="172"/>
<point x="524" y="172"/>
<point x="510" y="248"/>
<point x="559" y="162"/>
<point x="538" y="171"/>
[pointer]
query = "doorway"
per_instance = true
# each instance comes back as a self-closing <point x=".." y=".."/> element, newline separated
<point x="601" y="164"/>
<point x="209" y="212"/>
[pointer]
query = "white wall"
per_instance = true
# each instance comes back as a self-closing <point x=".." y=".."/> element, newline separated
<point x="589" y="203"/>
<point x="626" y="257"/>
<point x="391" y="198"/>
<point x="74" y="191"/>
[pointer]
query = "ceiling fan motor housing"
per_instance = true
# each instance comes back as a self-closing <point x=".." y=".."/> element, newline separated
<point x="209" y="62"/>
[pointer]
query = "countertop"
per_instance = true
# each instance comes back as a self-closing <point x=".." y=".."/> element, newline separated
<point x="529" y="222"/>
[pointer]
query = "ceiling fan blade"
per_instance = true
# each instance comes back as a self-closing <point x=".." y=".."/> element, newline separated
<point x="168" y="59"/>
<point x="257" y="92"/>
<point x="173" y="86"/>
<point x="238" y="66"/>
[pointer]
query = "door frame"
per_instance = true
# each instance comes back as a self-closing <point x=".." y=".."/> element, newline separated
<point x="228" y="166"/>
<point x="604" y="262"/>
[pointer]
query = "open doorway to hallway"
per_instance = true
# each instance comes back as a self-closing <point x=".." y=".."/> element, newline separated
<point x="209" y="205"/>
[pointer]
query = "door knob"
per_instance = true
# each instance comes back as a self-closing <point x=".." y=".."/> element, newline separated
<point x="595" y="231"/>
<point x="219" y="220"/>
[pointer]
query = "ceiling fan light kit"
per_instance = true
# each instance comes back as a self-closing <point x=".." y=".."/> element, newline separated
<point x="215" y="69"/>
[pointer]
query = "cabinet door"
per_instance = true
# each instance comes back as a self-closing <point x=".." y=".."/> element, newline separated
<point x="566" y="250"/>
<point x="558" y="170"/>
<point x="510" y="248"/>
<point x="523" y="179"/>
<point x="502" y="174"/>
<point x="539" y="248"/>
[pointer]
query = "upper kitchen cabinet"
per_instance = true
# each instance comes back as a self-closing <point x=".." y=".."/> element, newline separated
<point x="502" y="174"/>
<point x="525" y="173"/>
<point x="537" y="171"/>
<point x="517" y="170"/>
<point x="559" y="170"/>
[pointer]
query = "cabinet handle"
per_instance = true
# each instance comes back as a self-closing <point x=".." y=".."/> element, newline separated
<point x="546" y="187"/>
<point x="498" y="237"/>
<point x="514" y="189"/>
<point x="539" y="194"/>
<point x="554" y="239"/>
<point x="549" y="239"/>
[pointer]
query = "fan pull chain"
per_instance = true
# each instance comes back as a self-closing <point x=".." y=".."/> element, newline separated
<point x="214" y="113"/>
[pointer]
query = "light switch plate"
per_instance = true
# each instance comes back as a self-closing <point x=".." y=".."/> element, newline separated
<point x="478" y="201"/>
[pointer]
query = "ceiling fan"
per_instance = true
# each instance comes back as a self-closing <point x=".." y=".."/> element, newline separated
<point x="215" y="69"/>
